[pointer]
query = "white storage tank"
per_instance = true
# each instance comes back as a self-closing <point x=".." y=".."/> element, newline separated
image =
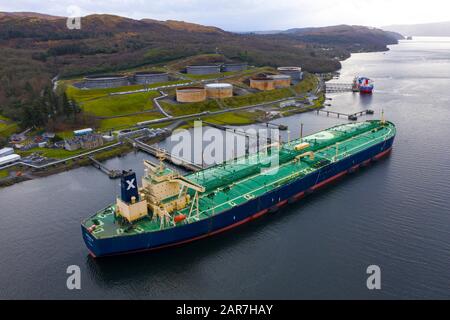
<point x="294" y="72"/>
<point x="219" y="90"/>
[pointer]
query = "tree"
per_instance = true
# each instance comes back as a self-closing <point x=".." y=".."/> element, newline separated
<point x="66" y="105"/>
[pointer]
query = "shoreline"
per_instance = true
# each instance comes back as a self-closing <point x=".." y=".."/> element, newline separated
<point x="125" y="149"/>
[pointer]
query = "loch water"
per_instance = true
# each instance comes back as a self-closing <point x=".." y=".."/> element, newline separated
<point x="394" y="214"/>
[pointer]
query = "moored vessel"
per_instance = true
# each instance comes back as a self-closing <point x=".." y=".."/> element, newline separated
<point x="170" y="209"/>
<point x="363" y="85"/>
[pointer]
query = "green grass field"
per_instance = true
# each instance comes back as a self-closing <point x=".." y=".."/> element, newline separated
<point x="256" y="98"/>
<point x="209" y="76"/>
<point x="110" y="106"/>
<point x="81" y="95"/>
<point x="8" y="128"/>
<point x="190" y="108"/>
<point x="4" y="173"/>
<point x="51" y="153"/>
<point x="56" y="153"/>
<point x="309" y="83"/>
<point x="235" y="118"/>
<point x="126" y="122"/>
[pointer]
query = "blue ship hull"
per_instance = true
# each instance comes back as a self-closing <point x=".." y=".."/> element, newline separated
<point x="237" y="215"/>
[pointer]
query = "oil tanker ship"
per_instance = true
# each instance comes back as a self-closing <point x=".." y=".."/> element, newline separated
<point x="171" y="209"/>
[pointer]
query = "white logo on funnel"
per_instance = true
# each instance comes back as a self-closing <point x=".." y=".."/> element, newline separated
<point x="130" y="184"/>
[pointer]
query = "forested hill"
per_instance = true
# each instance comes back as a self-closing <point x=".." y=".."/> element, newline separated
<point x="36" y="47"/>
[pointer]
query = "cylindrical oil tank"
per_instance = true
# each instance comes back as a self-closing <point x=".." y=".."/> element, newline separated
<point x="205" y="69"/>
<point x="281" y="80"/>
<point x="105" y="81"/>
<point x="219" y="90"/>
<point x="233" y="67"/>
<point x="262" y="83"/>
<point x="295" y="72"/>
<point x="148" y="77"/>
<point x="191" y="94"/>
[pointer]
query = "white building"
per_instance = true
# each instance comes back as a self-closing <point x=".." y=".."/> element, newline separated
<point x="6" y="152"/>
<point x="9" y="159"/>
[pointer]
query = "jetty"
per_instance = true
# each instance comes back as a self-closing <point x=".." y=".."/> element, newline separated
<point x="352" y="116"/>
<point x="338" y="87"/>
<point x="111" y="173"/>
<point x="157" y="152"/>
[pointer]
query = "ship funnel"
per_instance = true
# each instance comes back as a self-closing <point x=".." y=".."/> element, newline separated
<point x="129" y="187"/>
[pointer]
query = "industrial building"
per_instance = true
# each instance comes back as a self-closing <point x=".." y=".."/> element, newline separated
<point x="234" y="67"/>
<point x="85" y="141"/>
<point x="191" y="94"/>
<point x="201" y="70"/>
<point x="10" y="158"/>
<point x="104" y="81"/>
<point x="219" y="90"/>
<point x="281" y="80"/>
<point x="262" y="82"/>
<point x="6" y="152"/>
<point x="83" y="132"/>
<point x="150" y="77"/>
<point x="294" y="72"/>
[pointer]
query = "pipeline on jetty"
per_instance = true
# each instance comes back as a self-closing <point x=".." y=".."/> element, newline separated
<point x="111" y="173"/>
<point x="352" y="116"/>
<point x="338" y="87"/>
<point x="175" y="160"/>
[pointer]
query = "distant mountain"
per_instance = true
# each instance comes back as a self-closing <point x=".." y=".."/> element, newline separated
<point x="262" y="32"/>
<point x="185" y="26"/>
<point x="351" y="37"/>
<point x="35" y="47"/>
<point x="29" y="15"/>
<point x="438" y="29"/>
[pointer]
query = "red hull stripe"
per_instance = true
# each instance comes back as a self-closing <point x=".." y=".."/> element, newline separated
<point x="253" y="217"/>
<point x="324" y="182"/>
<point x="384" y="153"/>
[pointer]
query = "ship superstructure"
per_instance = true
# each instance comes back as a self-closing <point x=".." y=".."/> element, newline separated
<point x="171" y="209"/>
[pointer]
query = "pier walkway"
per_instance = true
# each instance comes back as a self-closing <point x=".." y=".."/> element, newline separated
<point x="338" y="87"/>
<point x="113" y="174"/>
<point x="155" y="151"/>
<point x="352" y="116"/>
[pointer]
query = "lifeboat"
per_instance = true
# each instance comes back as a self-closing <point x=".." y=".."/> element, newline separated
<point x="179" y="218"/>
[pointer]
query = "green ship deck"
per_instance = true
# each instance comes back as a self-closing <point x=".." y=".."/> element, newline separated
<point x="236" y="182"/>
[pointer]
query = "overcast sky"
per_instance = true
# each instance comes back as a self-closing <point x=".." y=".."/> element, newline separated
<point x="252" y="15"/>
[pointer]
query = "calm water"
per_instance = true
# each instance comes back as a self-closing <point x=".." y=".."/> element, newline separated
<point x="395" y="214"/>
